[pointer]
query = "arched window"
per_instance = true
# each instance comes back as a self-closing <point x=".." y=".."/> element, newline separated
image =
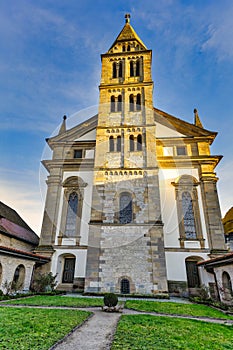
<point x="123" y="48"/>
<point x="131" y="143"/>
<point x="138" y="68"/>
<point x="131" y="69"/>
<point x="125" y="286"/>
<point x="113" y="105"/>
<point x="19" y="276"/>
<point x="227" y="286"/>
<point x="71" y="218"/>
<point x="138" y="103"/>
<point x="131" y="103"/>
<point x="111" y="144"/>
<point x="139" y="142"/>
<point x="114" y="70"/>
<point x="120" y="72"/>
<point x="118" y="143"/>
<point x="128" y="48"/>
<point x="119" y="103"/>
<point x="188" y="216"/>
<point x="126" y="212"/>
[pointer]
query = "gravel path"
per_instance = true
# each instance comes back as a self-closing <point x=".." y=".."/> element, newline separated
<point x="95" y="334"/>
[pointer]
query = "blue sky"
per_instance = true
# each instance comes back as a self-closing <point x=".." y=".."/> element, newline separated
<point x="50" y="66"/>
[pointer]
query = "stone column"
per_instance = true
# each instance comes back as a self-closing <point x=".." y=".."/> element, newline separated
<point x="213" y="215"/>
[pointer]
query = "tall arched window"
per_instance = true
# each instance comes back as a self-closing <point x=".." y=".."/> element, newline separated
<point x="118" y="143"/>
<point x="119" y="103"/>
<point x="138" y="105"/>
<point x="131" y="103"/>
<point x="188" y="216"/>
<point x="71" y="218"/>
<point x="114" y="70"/>
<point x="111" y="144"/>
<point x="120" y="72"/>
<point x="131" y="69"/>
<point x="113" y="105"/>
<point x="138" y="68"/>
<point x="123" y="48"/>
<point x="128" y="48"/>
<point x="126" y="211"/>
<point x="131" y="143"/>
<point x="139" y="142"/>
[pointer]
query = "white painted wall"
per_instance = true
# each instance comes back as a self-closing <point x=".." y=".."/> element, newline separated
<point x="90" y="136"/>
<point x="164" y="131"/>
<point x="175" y="262"/>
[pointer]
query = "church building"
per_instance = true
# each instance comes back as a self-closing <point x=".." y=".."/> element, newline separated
<point x="132" y="204"/>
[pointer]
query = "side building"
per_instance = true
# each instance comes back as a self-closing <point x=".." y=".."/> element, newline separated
<point x="17" y="243"/>
<point x="132" y="203"/>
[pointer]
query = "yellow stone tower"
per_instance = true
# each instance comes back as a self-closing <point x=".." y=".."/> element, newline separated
<point x="126" y="249"/>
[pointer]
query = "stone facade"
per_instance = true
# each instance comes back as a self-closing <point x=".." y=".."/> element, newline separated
<point x="146" y="202"/>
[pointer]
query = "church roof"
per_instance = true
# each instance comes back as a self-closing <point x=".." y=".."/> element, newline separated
<point x="182" y="126"/>
<point x="12" y="224"/>
<point x="128" y="34"/>
<point x="228" y="221"/>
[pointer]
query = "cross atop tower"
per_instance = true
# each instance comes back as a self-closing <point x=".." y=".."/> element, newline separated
<point x="127" y="18"/>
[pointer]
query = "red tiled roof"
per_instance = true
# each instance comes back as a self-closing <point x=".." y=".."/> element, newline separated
<point x="226" y="256"/>
<point x="23" y="252"/>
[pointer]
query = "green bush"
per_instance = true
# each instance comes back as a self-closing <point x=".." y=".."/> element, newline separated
<point x="44" y="282"/>
<point x="110" y="299"/>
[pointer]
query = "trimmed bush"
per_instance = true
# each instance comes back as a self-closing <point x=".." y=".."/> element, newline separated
<point x="110" y="299"/>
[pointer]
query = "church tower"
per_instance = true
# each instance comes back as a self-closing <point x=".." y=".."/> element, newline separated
<point x="126" y="244"/>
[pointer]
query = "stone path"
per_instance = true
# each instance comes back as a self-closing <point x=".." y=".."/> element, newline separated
<point x="97" y="333"/>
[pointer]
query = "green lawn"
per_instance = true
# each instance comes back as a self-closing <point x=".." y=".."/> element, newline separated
<point x="42" y="300"/>
<point x="176" y="308"/>
<point x="36" y="329"/>
<point x="144" y="332"/>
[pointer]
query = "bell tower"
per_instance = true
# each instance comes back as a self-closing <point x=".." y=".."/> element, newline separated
<point x="126" y="246"/>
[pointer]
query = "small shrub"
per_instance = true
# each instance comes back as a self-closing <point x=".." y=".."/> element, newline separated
<point x="110" y="299"/>
<point x="44" y="282"/>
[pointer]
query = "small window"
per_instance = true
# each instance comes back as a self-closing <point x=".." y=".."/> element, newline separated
<point x="119" y="103"/>
<point x="138" y="68"/>
<point x="131" y="143"/>
<point x="113" y="107"/>
<point x="78" y="153"/>
<point x="131" y="69"/>
<point x="126" y="208"/>
<point x="139" y="142"/>
<point x="138" y="105"/>
<point x="128" y="48"/>
<point x="111" y="144"/>
<point x="131" y="103"/>
<point x="118" y="143"/>
<point x="123" y="48"/>
<point x="114" y="70"/>
<point x="120" y="72"/>
<point x="181" y="151"/>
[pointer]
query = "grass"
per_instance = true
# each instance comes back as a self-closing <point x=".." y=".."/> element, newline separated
<point x="37" y="329"/>
<point x="42" y="300"/>
<point x="144" y="332"/>
<point x="176" y="309"/>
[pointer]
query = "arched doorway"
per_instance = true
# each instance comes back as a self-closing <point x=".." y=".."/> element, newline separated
<point x="68" y="269"/>
<point x="125" y="286"/>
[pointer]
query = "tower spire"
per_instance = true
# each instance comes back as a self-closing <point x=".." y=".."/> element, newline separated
<point x="197" y="120"/>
